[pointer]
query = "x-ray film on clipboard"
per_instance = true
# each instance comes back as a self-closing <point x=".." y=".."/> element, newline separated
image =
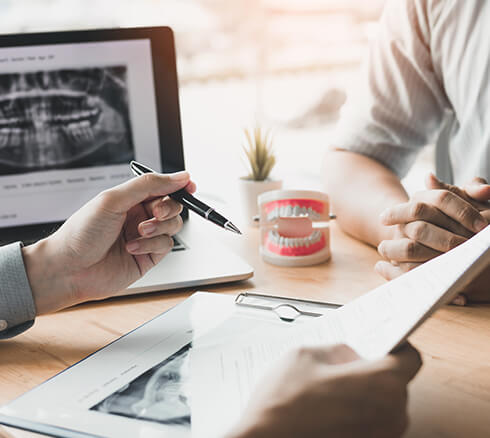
<point x="139" y="385"/>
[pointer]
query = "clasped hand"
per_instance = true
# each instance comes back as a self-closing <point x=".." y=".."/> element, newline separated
<point x="433" y="222"/>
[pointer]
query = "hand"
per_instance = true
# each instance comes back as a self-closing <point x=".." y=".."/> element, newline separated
<point x="321" y="392"/>
<point x="431" y="223"/>
<point x="109" y="243"/>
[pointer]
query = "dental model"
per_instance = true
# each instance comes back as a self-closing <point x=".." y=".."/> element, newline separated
<point x="294" y="227"/>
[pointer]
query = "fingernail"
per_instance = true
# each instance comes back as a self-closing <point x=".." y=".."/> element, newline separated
<point x="179" y="176"/>
<point x="384" y="216"/>
<point x="480" y="224"/>
<point x="132" y="246"/>
<point x="162" y="212"/>
<point x="148" y="228"/>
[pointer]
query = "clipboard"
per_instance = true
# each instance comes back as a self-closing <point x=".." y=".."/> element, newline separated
<point x="101" y="383"/>
<point x="286" y="309"/>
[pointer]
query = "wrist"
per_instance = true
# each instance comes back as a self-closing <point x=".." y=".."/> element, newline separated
<point x="50" y="286"/>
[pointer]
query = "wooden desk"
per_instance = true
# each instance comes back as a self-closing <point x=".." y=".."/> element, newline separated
<point x="449" y="398"/>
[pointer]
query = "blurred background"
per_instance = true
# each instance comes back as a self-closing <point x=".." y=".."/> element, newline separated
<point x="287" y="65"/>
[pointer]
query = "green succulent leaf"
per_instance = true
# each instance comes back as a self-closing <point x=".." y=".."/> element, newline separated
<point x="259" y="152"/>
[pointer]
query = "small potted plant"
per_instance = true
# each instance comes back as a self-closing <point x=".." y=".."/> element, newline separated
<point x="261" y="160"/>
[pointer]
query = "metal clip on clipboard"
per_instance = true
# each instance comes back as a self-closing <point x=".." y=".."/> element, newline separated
<point x="286" y="309"/>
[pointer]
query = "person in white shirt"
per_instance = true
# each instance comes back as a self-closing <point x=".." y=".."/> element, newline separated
<point x="426" y="80"/>
<point x="122" y="233"/>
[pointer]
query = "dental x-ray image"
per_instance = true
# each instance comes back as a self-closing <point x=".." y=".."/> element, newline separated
<point x="62" y="119"/>
<point x="158" y="395"/>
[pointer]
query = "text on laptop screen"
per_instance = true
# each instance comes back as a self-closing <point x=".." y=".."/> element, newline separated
<point x="72" y="116"/>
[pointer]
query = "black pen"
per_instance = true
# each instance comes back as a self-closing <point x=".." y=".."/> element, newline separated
<point x="187" y="200"/>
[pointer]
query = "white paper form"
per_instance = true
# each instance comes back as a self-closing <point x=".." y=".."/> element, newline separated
<point x="373" y="325"/>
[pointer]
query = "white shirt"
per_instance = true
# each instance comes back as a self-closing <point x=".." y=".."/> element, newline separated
<point x="426" y="80"/>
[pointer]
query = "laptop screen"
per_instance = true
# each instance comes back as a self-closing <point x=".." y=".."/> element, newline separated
<point x="72" y="116"/>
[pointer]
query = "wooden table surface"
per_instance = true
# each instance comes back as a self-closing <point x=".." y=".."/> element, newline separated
<point x="449" y="398"/>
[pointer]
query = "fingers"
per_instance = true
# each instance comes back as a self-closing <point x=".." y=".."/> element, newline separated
<point x="420" y="211"/>
<point x="431" y="236"/>
<point x="406" y="362"/>
<point x="433" y="183"/>
<point x="478" y="189"/>
<point x="337" y="354"/>
<point x="455" y="207"/>
<point x="406" y="250"/>
<point x="163" y="208"/>
<point x="460" y="300"/>
<point x="155" y="227"/>
<point x="155" y="236"/>
<point x="124" y="196"/>
<point x="155" y="245"/>
<point x="191" y="187"/>
<point x="390" y="271"/>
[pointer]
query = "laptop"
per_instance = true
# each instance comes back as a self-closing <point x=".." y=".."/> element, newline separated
<point x="75" y="108"/>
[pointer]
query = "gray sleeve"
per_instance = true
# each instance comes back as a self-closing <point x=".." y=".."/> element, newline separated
<point x="399" y="103"/>
<point x="17" y="309"/>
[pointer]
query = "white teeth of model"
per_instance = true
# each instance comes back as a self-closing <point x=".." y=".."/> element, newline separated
<point x="271" y="236"/>
<point x="277" y="237"/>
<point x="296" y="210"/>
<point x="281" y="241"/>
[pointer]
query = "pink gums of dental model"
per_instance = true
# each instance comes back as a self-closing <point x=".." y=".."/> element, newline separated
<point x="294" y="227"/>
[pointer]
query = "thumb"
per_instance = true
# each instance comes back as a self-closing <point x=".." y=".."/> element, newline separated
<point x="478" y="189"/>
<point x="433" y="183"/>
<point x="405" y="361"/>
<point x="151" y="185"/>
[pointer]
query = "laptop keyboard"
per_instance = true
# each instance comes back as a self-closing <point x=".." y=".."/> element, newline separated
<point x="178" y="245"/>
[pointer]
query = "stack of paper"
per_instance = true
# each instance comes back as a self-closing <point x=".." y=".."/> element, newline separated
<point x="223" y="379"/>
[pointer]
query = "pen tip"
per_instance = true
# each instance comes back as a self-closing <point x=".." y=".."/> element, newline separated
<point x="229" y="226"/>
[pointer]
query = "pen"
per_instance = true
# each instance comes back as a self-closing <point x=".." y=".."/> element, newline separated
<point x="187" y="200"/>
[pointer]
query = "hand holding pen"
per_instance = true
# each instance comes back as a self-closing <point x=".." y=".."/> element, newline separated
<point x="187" y="200"/>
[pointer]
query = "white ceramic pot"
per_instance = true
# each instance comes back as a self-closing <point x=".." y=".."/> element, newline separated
<point x="250" y="191"/>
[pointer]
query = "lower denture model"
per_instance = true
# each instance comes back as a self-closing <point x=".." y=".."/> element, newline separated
<point x="294" y="226"/>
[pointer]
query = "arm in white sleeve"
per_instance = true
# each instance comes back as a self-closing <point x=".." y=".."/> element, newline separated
<point x="400" y="103"/>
